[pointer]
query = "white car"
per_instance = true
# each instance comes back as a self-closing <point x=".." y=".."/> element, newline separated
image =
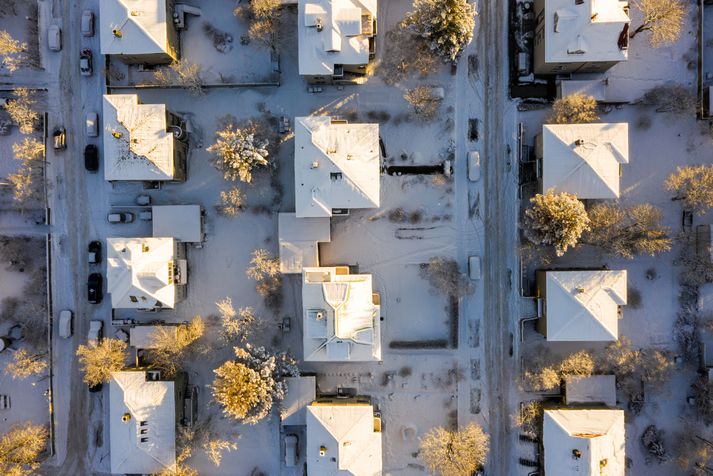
<point x="87" y="23"/>
<point x="95" y="331"/>
<point x="54" y="38"/>
<point x="474" y="166"/>
<point x="65" y="324"/>
<point x="92" y="124"/>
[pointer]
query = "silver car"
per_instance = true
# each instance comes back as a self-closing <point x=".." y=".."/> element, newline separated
<point x="54" y="38"/>
<point x="92" y="124"/>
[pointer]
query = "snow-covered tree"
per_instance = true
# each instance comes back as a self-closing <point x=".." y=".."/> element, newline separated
<point x="574" y="109"/>
<point x="556" y="219"/>
<point x="99" y="361"/>
<point x="445" y="278"/>
<point x="693" y="185"/>
<point x="264" y="18"/>
<point x="446" y="25"/>
<point x="26" y="364"/>
<point x="455" y="453"/>
<point x="169" y="348"/>
<point x="22" y="110"/>
<point x="424" y="102"/>
<point x="20" y="449"/>
<point x="237" y="152"/>
<point x="231" y="202"/>
<point x="181" y="73"/>
<point x="663" y="18"/>
<point x="12" y="52"/>
<point x="248" y="386"/>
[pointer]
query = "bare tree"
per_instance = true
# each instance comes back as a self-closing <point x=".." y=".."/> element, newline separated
<point x="446" y="25"/>
<point x="674" y="98"/>
<point x="702" y="390"/>
<point x="264" y="19"/>
<point x="20" y="449"/>
<point x="693" y="453"/>
<point x="265" y="269"/>
<point x="404" y="52"/>
<point x="236" y="325"/>
<point x="237" y="152"/>
<point x="181" y="73"/>
<point x="99" y="361"/>
<point x="455" y="453"/>
<point x="574" y="109"/>
<point x="12" y="52"/>
<point x="663" y="18"/>
<point x="424" y="101"/>
<point x="22" y="183"/>
<point x="444" y="277"/>
<point x="201" y="435"/>
<point x="170" y="344"/>
<point x="180" y="468"/>
<point x="529" y="417"/>
<point x="22" y="110"/>
<point x="556" y="219"/>
<point x="29" y="150"/>
<point x="693" y="185"/>
<point x="25" y="364"/>
<point x="544" y="375"/>
<point x="231" y="202"/>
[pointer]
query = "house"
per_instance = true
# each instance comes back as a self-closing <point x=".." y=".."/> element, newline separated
<point x="336" y="38"/>
<point x="582" y="159"/>
<point x="590" y="390"/>
<point x="144" y="337"/>
<point x="343" y="437"/>
<point x="581" y="306"/>
<point x="185" y="223"/>
<point x="585" y="442"/>
<point x="138" y="31"/>
<point x="142" y="142"/>
<point x="341" y="316"/>
<point x="142" y="421"/>
<point x="146" y="273"/>
<point x="299" y="240"/>
<point x="580" y="36"/>
<point x="337" y="166"/>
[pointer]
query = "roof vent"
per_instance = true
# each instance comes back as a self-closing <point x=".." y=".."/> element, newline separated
<point x="135" y="13"/>
<point x="322" y="450"/>
<point x="117" y="135"/>
<point x="580" y="290"/>
<point x="319" y="24"/>
<point x="126" y="417"/>
<point x="579" y="142"/>
<point x="117" y="33"/>
<point x="314" y="165"/>
<point x="576" y="454"/>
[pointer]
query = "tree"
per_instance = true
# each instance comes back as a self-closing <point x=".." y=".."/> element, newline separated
<point x="12" y="52"/>
<point x="180" y="469"/>
<point x="29" y="150"/>
<point x="702" y="390"/>
<point x="169" y="344"/>
<point x="404" y="51"/>
<point x="181" y="73"/>
<point x="201" y="435"/>
<point x="22" y="184"/>
<point x="22" y="110"/>
<point x="627" y="230"/>
<point x="236" y="325"/>
<point x="238" y="152"/>
<point x="231" y="202"/>
<point x="663" y="18"/>
<point x="556" y="219"/>
<point x="455" y="453"/>
<point x="674" y="98"/>
<point x="20" y="448"/>
<point x="693" y="185"/>
<point x="265" y="269"/>
<point x="529" y="418"/>
<point x="692" y="453"/>
<point x="264" y="18"/>
<point x="444" y="277"/>
<point x="574" y="109"/>
<point x="424" y="101"/>
<point x="542" y="376"/>
<point x="25" y="364"/>
<point x="248" y="386"/>
<point x="100" y="360"/>
<point x="446" y="25"/>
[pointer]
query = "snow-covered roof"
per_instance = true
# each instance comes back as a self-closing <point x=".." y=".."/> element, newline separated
<point x="143" y="337"/>
<point x="586" y="32"/>
<point x="337" y="165"/>
<point x="341" y="439"/>
<point x="142" y="424"/>
<point x="341" y="319"/>
<point x="301" y="391"/>
<point x="182" y="222"/>
<point x="137" y="145"/>
<point x="142" y="273"/>
<point x="298" y="241"/>
<point x="332" y="32"/>
<point x="590" y="390"/>
<point x="140" y="27"/>
<point x="584" y="442"/>
<point x="584" y="159"/>
<point x="584" y="305"/>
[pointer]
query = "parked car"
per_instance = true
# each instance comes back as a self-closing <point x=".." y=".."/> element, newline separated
<point x="65" y="323"/>
<point x="87" y="23"/>
<point x="96" y="332"/>
<point x="474" y="165"/>
<point x="120" y="217"/>
<point x="58" y="138"/>
<point x="91" y="158"/>
<point x="94" y="252"/>
<point x="92" y="124"/>
<point x="54" y="38"/>
<point x="85" y="62"/>
<point x="291" y="450"/>
<point x="94" y="288"/>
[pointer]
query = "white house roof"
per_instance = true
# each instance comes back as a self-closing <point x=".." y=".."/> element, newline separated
<point x="301" y="391"/>
<point x="141" y="23"/>
<point x="341" y="321"/>
<point x="137" y="145"/>
<point x="591" y="389"/>
<point x="333" y="32"/>
<point x="346" y="432"/>
<point x="584" y="159"/>
<point x="143" y="337"/>
<point x="140" y="272"/>
<point x="298" y="241"/>
<point x="337" y="165"/>
<point x="149" y="408"/>
<point x="182" y="222"/>
<point x="583" y="305"/>
<point x="596" y="436"/>
<point x="585" y="32"/>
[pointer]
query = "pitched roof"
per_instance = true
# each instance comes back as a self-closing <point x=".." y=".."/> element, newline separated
<point x="137" y="144"/>
<point x="142" y="24"/>
<point x="584" y="442"/>
<point x="583" y="305"/>
<point x="151" y="408"/>
<point x="337" y="165"/>
<point x="346" y="431"/>
<point x="585" y="32"/>
<point x="584" y="159"/>
<point x="333" y="32"/>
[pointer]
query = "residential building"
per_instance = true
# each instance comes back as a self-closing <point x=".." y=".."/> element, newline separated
<point x="337" y="38"/>
<point x="342" y="316"/>
<point x="185" y="223"/>
<point x="299" y="240"/>
<point x="580" y="36"/>
<point x="142" y="142"/>
<point x="581" y="305"/>
<point x="337" y="166"/>
<point x="582" y="159"/>
<point x="301" y="392"/>
<point x="585" y="442"/>
<point x="146" y="273"/>
<point x="590" y="390"/>
<point x="138" y="31"/>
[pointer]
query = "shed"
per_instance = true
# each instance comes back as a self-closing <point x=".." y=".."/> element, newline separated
<point x="301" y="391"/>
<point x="182" y="222"/>
<point x="594" y="389"/>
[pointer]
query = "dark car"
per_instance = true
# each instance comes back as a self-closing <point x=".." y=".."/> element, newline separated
<point x="94" y="288"/>
<point x="95" y="252"/>
<point x="85" y="62"/>
<point x="91" y="158"/>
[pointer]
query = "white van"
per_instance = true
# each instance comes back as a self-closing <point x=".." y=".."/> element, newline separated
<point x="54" y="38"/>
<point x="65" y="324"/>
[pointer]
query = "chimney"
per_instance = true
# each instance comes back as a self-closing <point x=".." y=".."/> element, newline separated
<point x="576" y="454"/>
<point x="322" y="450"/>
<point x="126" y="417"/>
<point x="579" y="142"/>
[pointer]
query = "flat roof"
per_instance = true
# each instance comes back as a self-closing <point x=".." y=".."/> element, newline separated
<point x="143" y="337"/>
<point x="299" y="238"/>
<point x="182" y="222"/>
<point x="141" y="25"/>
<point x="593" y="389"/>
<point x="301" y="391"/>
